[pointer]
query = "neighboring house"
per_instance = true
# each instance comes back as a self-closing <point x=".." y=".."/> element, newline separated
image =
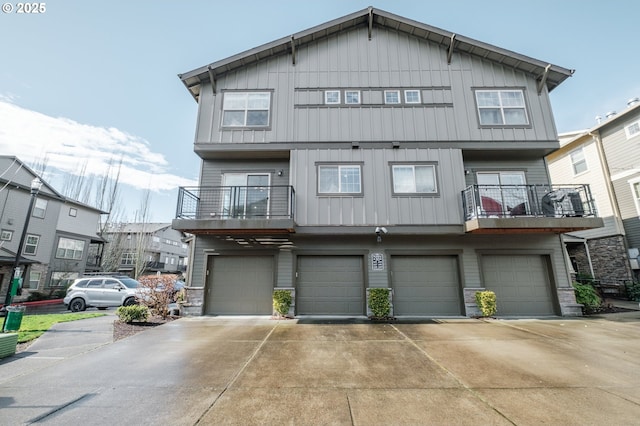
<point x="376" y="151"/>
<point x="607" y="158"/>
<point x="162" y="248"/>
<point x="60" y="237"/>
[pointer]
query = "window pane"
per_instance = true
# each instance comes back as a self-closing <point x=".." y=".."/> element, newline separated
<point x="403" y="179"/>
<point x="515" y="116"/>
<point x="352" y="97"/>
<point x="488" y="99"/>
<point x="412" y="96"/>
<point x="328" y="179"/>
<point x="512" y="98"/>
<point x="259" y="101"/>
<point x="490" y="116"/>
<point x="391" y="97"/>
<point x="233" y="118"/>
<point x="350" y="179"/>
<point x="425" y="179"/>
<point x="332" y="97"/>
<point x="234" y="101"/>
<point x="257" y="118"/>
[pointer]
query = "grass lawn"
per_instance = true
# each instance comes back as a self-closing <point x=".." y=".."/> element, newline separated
<point x="33" y="326"/>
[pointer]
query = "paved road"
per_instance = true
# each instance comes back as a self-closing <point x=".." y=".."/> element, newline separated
<point x="244" y="371"/>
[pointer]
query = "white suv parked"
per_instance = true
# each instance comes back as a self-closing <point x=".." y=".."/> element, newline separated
<point x="101" y="292"/>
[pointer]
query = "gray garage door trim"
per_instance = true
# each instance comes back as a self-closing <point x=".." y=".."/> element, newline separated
<point x="239" y="285"/>
<point x="521" y="282"/>
<point x="330" y="285"/>
<point x="426" y="285"/>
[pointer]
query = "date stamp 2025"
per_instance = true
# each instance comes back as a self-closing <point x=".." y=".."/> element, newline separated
<point x="24" y="8"/>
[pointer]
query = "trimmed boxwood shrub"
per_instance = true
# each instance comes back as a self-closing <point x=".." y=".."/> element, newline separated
<point x="282" y="302"/>
<point x="379" y="302"/>
<point x="133" y="313"/>
<point x="486" y="301"/>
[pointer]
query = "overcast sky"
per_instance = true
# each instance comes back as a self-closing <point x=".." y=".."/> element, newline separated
<point x="88" y="81"/>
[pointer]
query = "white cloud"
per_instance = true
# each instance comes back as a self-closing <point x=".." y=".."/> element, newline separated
<point x="67" y="145"/>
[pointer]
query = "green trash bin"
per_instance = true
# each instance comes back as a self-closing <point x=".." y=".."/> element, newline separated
<point x="14" y="318"/>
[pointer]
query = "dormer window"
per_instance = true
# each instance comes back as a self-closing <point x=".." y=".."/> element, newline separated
<point x="246" y="109"/>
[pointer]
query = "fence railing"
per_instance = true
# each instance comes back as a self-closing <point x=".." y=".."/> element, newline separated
<point x="527" y="200"/>
<point x="236" y="202"/>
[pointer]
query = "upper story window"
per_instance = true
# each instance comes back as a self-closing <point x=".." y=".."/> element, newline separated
<point x="391" y="96"/>
<point x="578" y="161"/>
<point x="31" y="244"/>
<point x="339" y="179"/>
<point x="412" y="97"/>
<point x="332" y="97"/>
<point x="40" y="208"/>
<point x="352" y="97"/>
<point x="632" y="129"/>
<point x="129" y="258"/>
<point x="73" y="212"/>
<point x="501" y="107"/>
<point x="635" y="189"/>
<point x="246" y="109"/>
<point x="6" y="235"/>
<point x="414" y="179"/>
<point x="70" y="249"/>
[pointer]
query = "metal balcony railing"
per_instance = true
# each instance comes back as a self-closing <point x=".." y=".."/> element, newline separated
<point x="527" y="200"/>
<point x="236" y="202"/>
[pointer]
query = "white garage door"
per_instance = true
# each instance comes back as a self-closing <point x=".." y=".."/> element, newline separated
<point x="330" y="285"/>
<point x="240" y="285"/>
<point x="425" y="285"/>
<point x="521" y="284"/>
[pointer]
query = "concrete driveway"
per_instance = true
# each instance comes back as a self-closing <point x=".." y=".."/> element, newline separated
<point x="257" y="371"/>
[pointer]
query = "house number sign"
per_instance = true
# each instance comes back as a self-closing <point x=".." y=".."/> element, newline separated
<point x="377" y="262"/>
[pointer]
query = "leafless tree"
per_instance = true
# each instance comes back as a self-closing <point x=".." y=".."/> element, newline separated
<point x="142" y="237"/>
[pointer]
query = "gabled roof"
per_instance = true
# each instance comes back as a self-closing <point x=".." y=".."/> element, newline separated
<point x="548" y="74"/>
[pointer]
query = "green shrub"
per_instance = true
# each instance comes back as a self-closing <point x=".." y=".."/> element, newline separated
<point x="282" y="302"/>
<point x="486" y="301"/>
<point x="588" y="297"/>
<point x="133" y="313"/>
<point x="633" y="291"/>
<point x="379" y="302"/>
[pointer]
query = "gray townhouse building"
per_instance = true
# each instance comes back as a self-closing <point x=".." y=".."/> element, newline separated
<point x="606" y="157"/>
<point x="61" y="238"/>
<point x="377" y="151"/>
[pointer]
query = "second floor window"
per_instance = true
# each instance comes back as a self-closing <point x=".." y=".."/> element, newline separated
<point x="40" y="208"/>
<point x="578" y="161"/>
<point x="414" y="179"/>
<point x="128" y="258"/>
<point x="6" y="235"/>
<point x="391" y="96"/>
<point x="70" y="249"/>
<point x="632" y="129"/>
<point x="352" y="97"/>
<point x="31" y="244"/>
<point x="246" y="109"/>
<point x="501" y="107"/>
<point x="339" y="179"/>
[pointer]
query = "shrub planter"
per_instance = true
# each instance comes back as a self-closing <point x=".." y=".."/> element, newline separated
<point x="284" y="302"/>
<point x="380" y="304"/>
<point x="486" y="301"/>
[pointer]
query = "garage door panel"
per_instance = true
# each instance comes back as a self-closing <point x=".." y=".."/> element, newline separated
<point x="425" y="285"/>
<point x="330" y="285"/>
<point x="240" y="285"/>
<point x="521" y="284"/>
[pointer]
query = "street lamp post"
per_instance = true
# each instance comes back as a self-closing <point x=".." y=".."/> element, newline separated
<point x="36" y="184"/>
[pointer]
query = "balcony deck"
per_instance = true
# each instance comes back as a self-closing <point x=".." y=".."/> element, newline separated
<point x="520" y="209"/>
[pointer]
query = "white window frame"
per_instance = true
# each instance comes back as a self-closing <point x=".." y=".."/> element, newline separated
<point x="577" y="159"/>
<point x="34" y="282"/>
<point x="244" y="106"/>
<point x="40" y="208"/>
<point x="6" y="235"/>
<point x="70" y="249"/>
<point x="502" y="106"/>
<point x="349" y="97"/>
<point x="128" y="258"/>
<point x="406" y="96"/>
<point x="73" y="212"/>
<point x="29" y="243"/>
<point x="339" y="168"/>
<point x="635" y="193"/>
<point x="388" y="101"/>
<point x="328" y="94"/>
<point x="397" y="190"/>
<point x="632" y="129"/>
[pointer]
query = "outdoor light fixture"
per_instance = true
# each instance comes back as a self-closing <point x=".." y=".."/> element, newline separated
<point x="15" y="283"/>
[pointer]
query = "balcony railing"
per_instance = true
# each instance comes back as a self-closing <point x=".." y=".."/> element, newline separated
<point x="236" y="202"/>
<point x="503" y="201"/>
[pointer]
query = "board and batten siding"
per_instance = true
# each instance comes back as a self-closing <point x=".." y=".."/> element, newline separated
<point x="534" y="169"/>
<point x="212" y="170"/>
<point x="377" y="205"/>
<point x="390" y="60"/>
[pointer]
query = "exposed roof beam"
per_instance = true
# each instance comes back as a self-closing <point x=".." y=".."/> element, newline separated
<point x="370" y="21"/>
<point x="543" y="79"/>
<point x="450" y="52"/>
<point x="212" y="77"/>
<point x="293" y="50"/>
